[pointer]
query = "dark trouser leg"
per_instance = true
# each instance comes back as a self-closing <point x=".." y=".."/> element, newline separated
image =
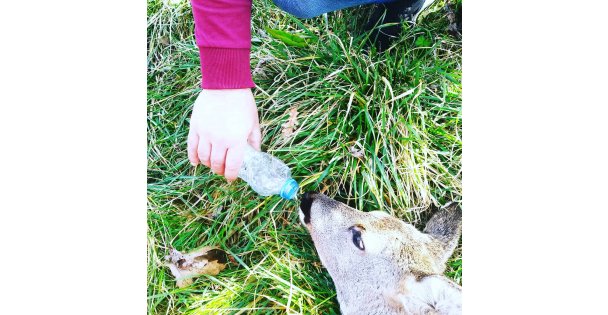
<point x="305" y="9"/>
<point x="391" y="15"/>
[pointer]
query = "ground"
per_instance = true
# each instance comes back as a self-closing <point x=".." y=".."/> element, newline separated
<point x="379" y="131"/>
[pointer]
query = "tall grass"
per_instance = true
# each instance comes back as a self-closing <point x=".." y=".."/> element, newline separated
<point x="401" y="109"/>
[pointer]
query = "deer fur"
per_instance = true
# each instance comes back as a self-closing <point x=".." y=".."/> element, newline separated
<point x="382" y="265"/>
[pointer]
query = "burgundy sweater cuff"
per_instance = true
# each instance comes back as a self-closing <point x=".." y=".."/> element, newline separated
<point x="225" y="68"/>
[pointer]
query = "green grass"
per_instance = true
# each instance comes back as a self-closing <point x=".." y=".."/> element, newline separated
<point x="402" y="108"/>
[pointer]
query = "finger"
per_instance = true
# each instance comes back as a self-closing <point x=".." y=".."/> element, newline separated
<point x="192" y="149"/>
<point x="234" y="160"/>
<point x="204" y="150"/>
<point x="255" y="137"/>
<point x="218" y="158"/>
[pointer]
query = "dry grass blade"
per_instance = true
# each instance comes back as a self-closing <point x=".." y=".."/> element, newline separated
<point x="391" y="145"/>
<point x="291" y="124"/>
<point x="203" y="261"/>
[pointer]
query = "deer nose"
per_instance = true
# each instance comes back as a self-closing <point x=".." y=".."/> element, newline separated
<point x="306" y="204"/>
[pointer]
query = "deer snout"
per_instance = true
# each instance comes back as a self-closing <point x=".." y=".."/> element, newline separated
<point x="305" y="205"/>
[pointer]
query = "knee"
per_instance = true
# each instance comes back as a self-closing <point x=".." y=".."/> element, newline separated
<point x="303" y="9"/>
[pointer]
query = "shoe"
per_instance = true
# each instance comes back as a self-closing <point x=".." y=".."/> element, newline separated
<point x="410" y="12"/>
<point x="454" y="15"/>
<point x="393" y="14"/>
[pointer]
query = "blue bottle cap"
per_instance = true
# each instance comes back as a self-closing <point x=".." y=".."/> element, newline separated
<point x="290" y="189"/>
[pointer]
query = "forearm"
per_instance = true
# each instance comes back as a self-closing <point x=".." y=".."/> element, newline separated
<point x="223" y="35"/>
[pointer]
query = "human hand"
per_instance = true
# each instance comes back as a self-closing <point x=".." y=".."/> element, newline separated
<point x="221" y="125"/>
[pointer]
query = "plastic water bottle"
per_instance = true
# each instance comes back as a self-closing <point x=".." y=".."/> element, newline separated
<point x="267" y="175"/>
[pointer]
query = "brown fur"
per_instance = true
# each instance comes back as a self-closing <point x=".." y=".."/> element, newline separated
<point x="400" y="269"/>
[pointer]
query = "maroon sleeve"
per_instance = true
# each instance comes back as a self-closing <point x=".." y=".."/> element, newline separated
<point x="223" y="35"/>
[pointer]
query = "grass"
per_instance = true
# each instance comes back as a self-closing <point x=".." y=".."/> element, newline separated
<point x="402" y="108"/>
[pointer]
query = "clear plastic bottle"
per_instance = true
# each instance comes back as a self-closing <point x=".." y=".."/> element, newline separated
<point x="267" y="175"/>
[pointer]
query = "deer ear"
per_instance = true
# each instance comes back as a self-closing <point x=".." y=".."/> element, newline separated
<point x="395" y="296"/>
<point x="394" y="300"/>
<point x="403" y="303"/>
<point x="434" y="294"/>
<point x="445" y="228"/>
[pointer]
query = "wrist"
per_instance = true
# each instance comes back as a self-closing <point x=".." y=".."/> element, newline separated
<point x="227" y="90"/>
<point x="222" y="93"/>
<point x="225" y="68"/>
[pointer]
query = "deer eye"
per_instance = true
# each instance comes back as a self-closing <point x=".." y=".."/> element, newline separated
<point x="357" y="240"/>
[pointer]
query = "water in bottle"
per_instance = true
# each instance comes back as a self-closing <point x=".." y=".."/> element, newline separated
<point x="267" y="175"/>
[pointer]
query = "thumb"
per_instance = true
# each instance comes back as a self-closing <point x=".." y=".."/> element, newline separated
<point x="255" y="137"/>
